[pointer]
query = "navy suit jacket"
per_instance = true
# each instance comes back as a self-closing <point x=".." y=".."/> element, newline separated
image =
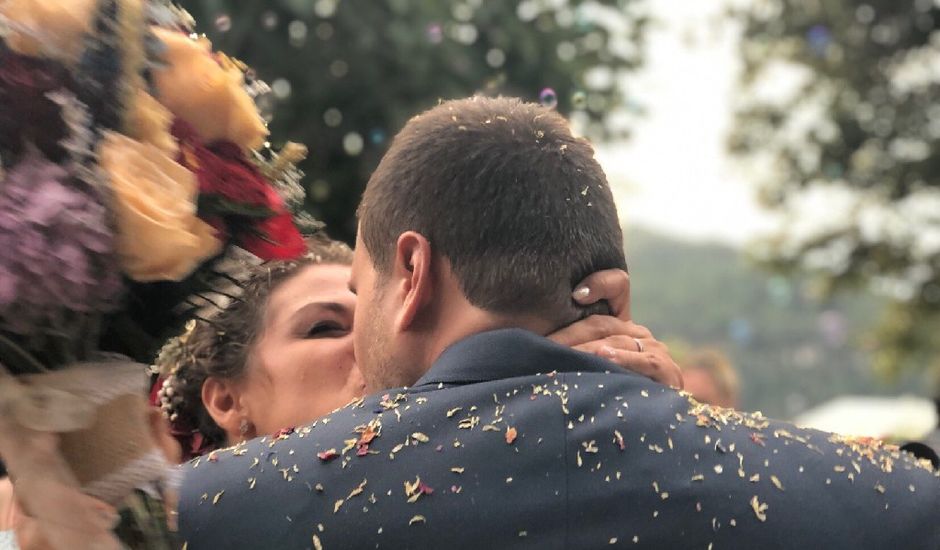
<point x="511" y="441"/>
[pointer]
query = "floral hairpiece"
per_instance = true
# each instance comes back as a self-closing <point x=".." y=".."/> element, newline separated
<point x="166" y="366"/>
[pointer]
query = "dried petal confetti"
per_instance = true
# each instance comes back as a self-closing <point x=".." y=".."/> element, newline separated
<point x="759" y="508"/>
<point x="414" y="489"/>
<point x="281" y="434"/>
<point x="417" y="519"/>
<point x="357" y="490"/>
<point x="327" y="455"/>
<point x="510" y="435"/>
<point x="618" y="439"/>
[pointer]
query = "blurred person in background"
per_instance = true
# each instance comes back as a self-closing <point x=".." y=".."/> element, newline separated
<point x="711" y="378"/>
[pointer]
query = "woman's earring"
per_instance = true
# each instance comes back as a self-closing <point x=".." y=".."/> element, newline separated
<point x="243" y="427"/>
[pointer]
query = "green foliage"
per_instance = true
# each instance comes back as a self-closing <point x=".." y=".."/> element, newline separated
<point x="843" y="95"/>
<point x="792" y="350"/>
<point x="358" y="69"/>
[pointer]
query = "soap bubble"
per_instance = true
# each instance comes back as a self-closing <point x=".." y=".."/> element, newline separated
<point x="434" y="33"/>
<point x="377" y="136"/>
<point x="269" y="20"/>
<point x="352" y="144"/>
<point x="281" y="88"/>
<point x="223" y="22"/>
<point x="332" y="117"/>
<point x="579" y="100"/>
<point x="548" y="98"/>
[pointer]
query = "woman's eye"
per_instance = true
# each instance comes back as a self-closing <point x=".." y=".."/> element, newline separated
<point x="326" y="329"/>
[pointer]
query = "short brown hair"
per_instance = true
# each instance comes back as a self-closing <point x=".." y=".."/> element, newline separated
<point x="504" y="191"/>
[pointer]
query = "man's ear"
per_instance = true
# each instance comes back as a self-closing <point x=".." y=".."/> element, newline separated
<point x="411" y="271"/>
<point x="221" y="399"/>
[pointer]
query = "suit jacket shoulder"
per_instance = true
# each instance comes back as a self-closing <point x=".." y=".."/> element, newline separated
<point x="578" y="458"/>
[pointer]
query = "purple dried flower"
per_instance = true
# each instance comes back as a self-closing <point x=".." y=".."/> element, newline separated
<point x="56" y="249"/>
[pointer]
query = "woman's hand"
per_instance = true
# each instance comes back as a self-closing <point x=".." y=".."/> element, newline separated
<point x="616" y="337"/>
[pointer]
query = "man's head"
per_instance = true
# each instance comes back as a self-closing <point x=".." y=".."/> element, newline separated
<point x="483" y="213"/>
<point x="710" y="377"/>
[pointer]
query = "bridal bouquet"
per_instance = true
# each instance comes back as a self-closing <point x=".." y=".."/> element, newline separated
<point x="133" y="162"/>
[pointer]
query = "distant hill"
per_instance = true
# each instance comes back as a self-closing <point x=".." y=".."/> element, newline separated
<point x="791" y="351"/>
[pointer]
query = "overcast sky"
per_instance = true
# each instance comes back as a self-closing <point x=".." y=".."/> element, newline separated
<point x="674" y="175"/>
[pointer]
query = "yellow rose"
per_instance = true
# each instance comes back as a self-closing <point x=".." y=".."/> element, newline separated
<point x="159" y="237"/>
<point x="195" y="87"/>
<point x="53" y="28"/>
<point x="149" y="121"/>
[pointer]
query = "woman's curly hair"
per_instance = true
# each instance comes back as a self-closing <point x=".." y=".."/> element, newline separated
<point x="220" y="346"/>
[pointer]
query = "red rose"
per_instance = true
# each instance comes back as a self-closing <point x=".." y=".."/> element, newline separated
<point x="222" y="170"/>
<point x="236" y="199"/>
<point x="275" y="238"/>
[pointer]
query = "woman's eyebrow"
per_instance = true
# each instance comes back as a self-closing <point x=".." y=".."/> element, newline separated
<point x="333" y="307"/>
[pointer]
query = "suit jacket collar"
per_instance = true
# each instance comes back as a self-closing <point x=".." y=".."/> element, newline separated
<point x="507" y="353"/>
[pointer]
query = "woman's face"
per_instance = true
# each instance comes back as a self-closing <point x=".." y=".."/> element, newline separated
<point x="302" y="365"/>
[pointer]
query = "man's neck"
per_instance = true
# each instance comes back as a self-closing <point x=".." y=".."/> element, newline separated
<point x="472" y="320"/>
<point x="452" y="318"/>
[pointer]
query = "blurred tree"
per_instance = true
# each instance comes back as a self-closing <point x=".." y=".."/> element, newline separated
<point x="792" y="349"/>
<point x="842" y="105"/>
<point x="348" y="74"/>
